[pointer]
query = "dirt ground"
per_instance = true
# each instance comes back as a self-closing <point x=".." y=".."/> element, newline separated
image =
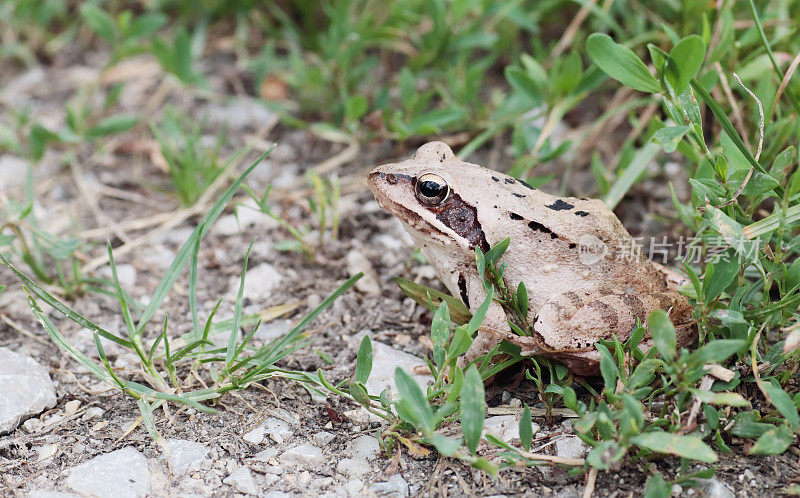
<point x="105" y="191"/>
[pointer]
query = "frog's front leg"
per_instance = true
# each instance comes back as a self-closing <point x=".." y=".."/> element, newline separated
<point x="495" y="320"/>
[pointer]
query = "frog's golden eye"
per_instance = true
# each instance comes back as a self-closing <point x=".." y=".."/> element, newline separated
<point x="431" y="189"/>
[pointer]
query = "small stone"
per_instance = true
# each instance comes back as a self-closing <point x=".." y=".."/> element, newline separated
<point x="70" y="407"/>
<point x="32" y="425"/>
<point x="366" y="447"/>
<point x="353" y="467"/>
<point x="45" y="451"/>
<point x="322" y="438"/>
<point x="272" y="329"/>
<point x="184" y="455"/>
<point x="41" y="493"/>
<point x="676" y="490"/>
<point x="394" y="486"/>
<point x="359" y="416"/>
<point x="571" y="447"/>
<point x="357" y="262"/>
<point x="505" y="427"/>
<point x="277" y="429"/>
<point x="242" y="480"/>
<point x="266" y="455"/>
<point x="385" y="360"/>
<point x="12" y="170"/>
<point x="122" y="473"/>
<point x="256" y="435"/>
<point x="238" y="114"/>
<point x="303" y="478"/>
<point x="258" y="284"/>
<point x="93" y="412"/>
<point x="748" y="474"/>
<point x="26" y="386"/>
<point x="304" y="454"/>
<point x="353" y="486"/>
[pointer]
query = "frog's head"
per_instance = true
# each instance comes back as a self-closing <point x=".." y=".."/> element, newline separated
<point x="429" y="194"/>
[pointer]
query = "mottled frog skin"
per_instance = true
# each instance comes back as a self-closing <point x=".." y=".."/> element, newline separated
<point x="584" y="281"/>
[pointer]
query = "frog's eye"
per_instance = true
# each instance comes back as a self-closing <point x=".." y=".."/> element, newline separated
<point x="431" y="189"/>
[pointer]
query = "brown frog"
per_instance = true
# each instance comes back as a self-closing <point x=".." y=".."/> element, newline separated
<point x="585" y="280"/>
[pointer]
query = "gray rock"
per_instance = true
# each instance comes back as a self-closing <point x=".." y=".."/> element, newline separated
<point x="353" y="467"/>
<point x="184" y="454"/>
<point x="41" y="493"/>
<point x="258" y="283"/>
<point x="272" y="329"/>
<point x="26" y="387"/>
<point x="366" y="447"/>
<point x="242" y="480"/>
<point x="122" y="474"/>
<point x="353" y="486"/>
<point x="266" y="455"/>
<point x="12" y="172"/>
<point x="505" y="427"/>
<point x="357" y="262"/>
<point x="395" y="486"/>
<point x="714" y="488"/>
<point x="277" y="429"/>
<point x="571" y="447"/>
<point x="304" y="454"/>
<point x="93" y="412"/>
<point x="322" y="438"/>
<point x="277" y="494"/>
<point x="238" y="114"/>
<point x="385" y="359"/>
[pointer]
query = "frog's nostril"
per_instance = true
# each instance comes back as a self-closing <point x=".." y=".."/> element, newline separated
<point x="391" y="179"/>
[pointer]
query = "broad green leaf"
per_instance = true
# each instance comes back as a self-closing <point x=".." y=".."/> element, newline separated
<point x="99" y="20"/>
<point x="723" y="398"/>
<point x="526" y="428"/>
<point x="496" y="252"/>
<point x="364" y="360"/>
<point x="783" y="403"/>
<point x="773" y="442"/>
<point x="608" y="368"/>
<point x="359" y="393"/>
<point x="758" y="184"/>
<point x="445" y="445"/>
<point x="440" y="333"/>
<point x="656" y="487"/>
<point x="523" y="83"/>
<point x="683" y="446"/>
<point x="356" y="107"/>
<point x="732" y="233"/>
<point x="719" y="276"/>
<point x="669" y="137"/>
<point x="417" y="403"/>
<point x="473" y="408"/>
<point x="716" y="351"/>
<point x="685" y="60"/>
<point x="620" y="63"/>
<point x="459" y="313"/>
<point x="663" y="333"/>
<point x="112" y="124"/>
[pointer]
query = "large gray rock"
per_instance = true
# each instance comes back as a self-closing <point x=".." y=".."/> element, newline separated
<point x="26" y="389"/>
<point x="385" y="359"/>
<point x="184" y="454"/>
<point x="121" y="474"/>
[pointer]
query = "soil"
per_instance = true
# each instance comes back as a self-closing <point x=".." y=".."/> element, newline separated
<point x="125" y="182"/>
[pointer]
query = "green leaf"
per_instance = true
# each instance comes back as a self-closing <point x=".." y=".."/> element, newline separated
<point x="719" y="276"/>
<point x="496" y="252"/>
<point x="364" y="360"/>
<point x="663" y="333"/>
<point x="440" y="333"/>
<point x="685" y="60"/>
<point x="359" y="393"/>
<point x="523" y="83"/>
<point x="445" y="445"/>
<point x="112" y="124"/>
<point x="526" y="428"/>
<point x="656" y="487"/>
<point x="632" y="173"/>
<point x="723" y="398"/>
<point x="758" y="184"/>
<point x="459" y="313"/>
<point x="414" y="401"/>
<point x="608" y="368"/>
<point x="473" y="408"/>
<point x="783" y="403"/>
<point x="620" y="63"/>
<point x="669" y="137"/>
<point x="716" y="351"/>
<point x="683" y="446"/>
<point x="99" y="20"/>
<point x="356" y="107"/>
<point x="522" y="299"/>
<point x="773" y="442"/>
<point x="732" y="233"/>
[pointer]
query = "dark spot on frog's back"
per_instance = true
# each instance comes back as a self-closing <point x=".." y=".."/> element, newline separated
<point x="514" y="216"/>
<point x="510" y="181"/>
<point x="495" y="179"/>
<point x="462" y="289"/>
<point x="581" y="213"/>
<point x="526" y="184"/>
<point x="560" y="205"/>
<point x="521" y="196"/>
<point x="538" y="227"/>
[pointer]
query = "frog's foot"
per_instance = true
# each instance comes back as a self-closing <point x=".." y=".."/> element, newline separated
<point x="575" y="321"/>
<point x="672" y="277"/>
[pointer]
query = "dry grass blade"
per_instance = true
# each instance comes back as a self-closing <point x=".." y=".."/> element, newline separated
<point x="784" y="82"/>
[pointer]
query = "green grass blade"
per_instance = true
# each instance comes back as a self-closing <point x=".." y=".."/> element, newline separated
<point x="632" y="173"/>
<point x="184" y="253"/>
<point x="33" y="287"/>
<point x="230" y="354"/>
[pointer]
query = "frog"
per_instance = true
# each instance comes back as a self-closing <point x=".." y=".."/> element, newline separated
<point x="585" y="280"/>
